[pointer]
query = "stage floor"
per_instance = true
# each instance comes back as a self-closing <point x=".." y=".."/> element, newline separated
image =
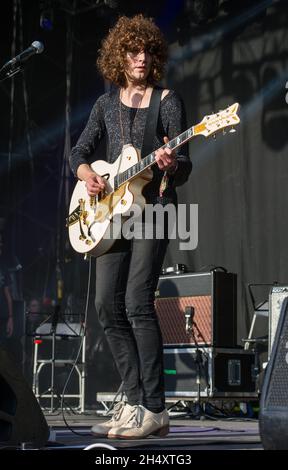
<point x="186" y="433"/>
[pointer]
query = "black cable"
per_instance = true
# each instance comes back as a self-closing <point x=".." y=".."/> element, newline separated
<point x="78" y="354"/>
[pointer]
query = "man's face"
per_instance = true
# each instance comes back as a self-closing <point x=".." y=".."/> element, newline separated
<point x="138" y="66"/>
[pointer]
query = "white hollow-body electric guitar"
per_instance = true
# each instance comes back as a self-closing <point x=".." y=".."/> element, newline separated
<point x="90" y="217"/>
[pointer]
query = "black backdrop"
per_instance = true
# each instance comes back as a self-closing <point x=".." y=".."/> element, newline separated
<point x="238" y="180"/>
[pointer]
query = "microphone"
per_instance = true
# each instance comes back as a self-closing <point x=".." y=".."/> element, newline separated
<point x="35" y="48"/>
<point x="189" y="315"/>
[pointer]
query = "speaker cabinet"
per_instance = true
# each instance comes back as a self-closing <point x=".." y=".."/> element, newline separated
<point x="276" y="298"/>
<point x="209" y="372"/>
<point x="21" y="418"/>
<point x="212" y="297"/>
<point x="273" y="420"/>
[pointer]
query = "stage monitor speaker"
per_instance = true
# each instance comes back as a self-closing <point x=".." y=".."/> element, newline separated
<point x="273" y="419"/>
<point x="21" y="418"/>
<point x="276" y="298"/>
<point x="211" y="298"/>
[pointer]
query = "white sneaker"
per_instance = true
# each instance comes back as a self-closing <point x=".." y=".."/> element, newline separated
<point x="121" y="412"/>
<point x="141" y="423"/>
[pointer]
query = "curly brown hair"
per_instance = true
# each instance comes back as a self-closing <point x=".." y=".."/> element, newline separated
<point x="132" y="35"/>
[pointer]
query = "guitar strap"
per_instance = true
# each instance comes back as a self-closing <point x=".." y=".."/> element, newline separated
<point x="150" y="132"/>
<point x="151" y="121"/>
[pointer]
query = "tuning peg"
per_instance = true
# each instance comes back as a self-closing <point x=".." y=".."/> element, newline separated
<point x="214" y="136"/>
<point x="224" y="132"/>
<point x="232" y="130"/>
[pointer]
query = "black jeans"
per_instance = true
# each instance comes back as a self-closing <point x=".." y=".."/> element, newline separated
<point x="126" y="280"/>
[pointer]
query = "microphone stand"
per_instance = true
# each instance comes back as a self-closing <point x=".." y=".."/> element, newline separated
<point x="200" y="414"/>
<point x="54" y="323"/>
<point x="55" y="317"/>
<point x="189" y="327"/>
<point x="12" y="69"/>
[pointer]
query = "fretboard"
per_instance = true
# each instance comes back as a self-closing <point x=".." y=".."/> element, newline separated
<point x="149" y="160"/>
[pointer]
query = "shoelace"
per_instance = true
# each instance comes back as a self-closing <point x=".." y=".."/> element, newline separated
<point x="136" y="417"/>
<point x="118" y="410"/>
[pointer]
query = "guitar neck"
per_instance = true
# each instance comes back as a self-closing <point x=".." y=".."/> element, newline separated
<point x="150" y="159"/>
<point x="208" y="126"/>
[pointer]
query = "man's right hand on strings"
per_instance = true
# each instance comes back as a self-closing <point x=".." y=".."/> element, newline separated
<point x="95" y="184"/>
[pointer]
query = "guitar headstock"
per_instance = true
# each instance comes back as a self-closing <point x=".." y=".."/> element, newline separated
<point x="227" y="118"/>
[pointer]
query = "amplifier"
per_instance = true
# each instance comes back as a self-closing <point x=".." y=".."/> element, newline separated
<point x="276" y="298"/>
<point x="212" y="372"/>
<point x="212" y="297"/>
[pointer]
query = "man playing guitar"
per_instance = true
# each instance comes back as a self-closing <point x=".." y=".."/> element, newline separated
<point x="132" y="57"/>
